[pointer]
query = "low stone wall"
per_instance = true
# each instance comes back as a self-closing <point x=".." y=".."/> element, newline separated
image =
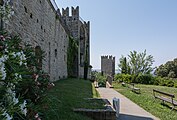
<point x="97" y="114"/>
<point x="108" y="113"/>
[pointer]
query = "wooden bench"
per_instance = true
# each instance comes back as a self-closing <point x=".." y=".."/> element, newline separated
<point x="134" y="89"/>
<point x="165" y="97"/>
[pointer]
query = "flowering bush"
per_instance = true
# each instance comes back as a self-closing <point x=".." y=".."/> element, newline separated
<point x="12" y="65"/>
<point x="21" y="83"/>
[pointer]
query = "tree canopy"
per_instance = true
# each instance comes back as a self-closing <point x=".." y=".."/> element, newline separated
<point x="169" y="69"/>
<point x="136" y="63"/>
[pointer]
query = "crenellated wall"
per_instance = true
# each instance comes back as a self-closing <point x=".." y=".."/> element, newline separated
<point x="80" y="31"/>
<point x="41" y="24"/>
<point x="36" y="23"/>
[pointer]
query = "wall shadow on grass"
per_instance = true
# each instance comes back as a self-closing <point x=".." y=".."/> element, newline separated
<point x="133" y="117"/>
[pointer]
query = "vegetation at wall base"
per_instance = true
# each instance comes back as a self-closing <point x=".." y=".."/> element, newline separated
<point x="99" y="77"/>
<point x="72" y="54"/>
<point x="147" y="101"/>
<point x="65" y="96"/>
<point x="22" y="82"/>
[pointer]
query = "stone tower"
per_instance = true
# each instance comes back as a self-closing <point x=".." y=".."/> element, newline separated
<point x="80" y="31"/>
<point x="108" y="65"/>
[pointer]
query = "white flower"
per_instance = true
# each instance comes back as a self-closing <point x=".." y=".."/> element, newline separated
<point x="12" y="13"/>
<point x="23" y="108"/>
<point x="14" y="55"/>
<point x="52" y="84"/>
<point x="3" y="58"/>
<point x="11" y="95"/>
<point x="3" y="71"/>
<point x="20" y="76"/>
<point x="17" y="76"/>
<point x="6" y="51"/>
<point x="22" y="57"/>
<point x="15" y="100"/>
<point x="8" y="117"/>
<point x="37" y="115"/>
<point x="21" y="63"/>
<point x="25" y="111"/>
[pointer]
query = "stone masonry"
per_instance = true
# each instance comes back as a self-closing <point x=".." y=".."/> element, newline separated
<point x="108" y="65"/>
<point x="80" y="30"/>
<point x="40" y="23"/>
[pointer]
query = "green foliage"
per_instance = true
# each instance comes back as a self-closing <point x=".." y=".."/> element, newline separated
<point x="137" y="63"/>
<point x="123" y="78"/>
<point x="140" y="62"/>
<point x="161" y="71"/>
<point x="169" y="69"/>
<point x="145" y="79"/>
<point x="21" y="82"/>
<point x="124" y="65"/>
<point x="72" y="54"/>
<point x="101" y="79"/>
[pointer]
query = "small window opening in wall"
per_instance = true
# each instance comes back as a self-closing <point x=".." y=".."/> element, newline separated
<point x="21" y="23"/>
<point x="40" y="1"/>
<point x="41" y="27"/>
<point x="37" y="20"/>
<point x="25" y="9"/>
<point x="55" y="52"/>
<point x="44" y="30"/>
<point x="74" y="18"/>
<point x="31" y="15"/>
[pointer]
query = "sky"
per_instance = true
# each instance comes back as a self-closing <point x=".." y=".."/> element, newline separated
<point x="121" y="26"/>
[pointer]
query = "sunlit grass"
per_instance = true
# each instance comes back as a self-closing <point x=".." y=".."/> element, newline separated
<point x="147" y="100"/>
<point x="67" y="95"/>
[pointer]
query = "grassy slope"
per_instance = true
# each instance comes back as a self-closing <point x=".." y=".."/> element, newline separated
<point x="66" y="95"/>
<point x="147" y="101"/>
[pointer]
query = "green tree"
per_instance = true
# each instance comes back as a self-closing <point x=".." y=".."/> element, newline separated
<point x="123" y="65"/>
<point x="140" y="62"/>
<point x="169" y="69"/>
<point x="161" y="71"/>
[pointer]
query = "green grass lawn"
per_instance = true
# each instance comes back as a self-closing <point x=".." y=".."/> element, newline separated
<point x="66" y="95"/>
<point x="147" y="101"/>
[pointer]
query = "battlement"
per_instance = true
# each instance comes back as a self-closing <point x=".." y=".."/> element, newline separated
<point x="110" y="57"/>
<point x="65" y="12"/>
<point x="74" y="11"/>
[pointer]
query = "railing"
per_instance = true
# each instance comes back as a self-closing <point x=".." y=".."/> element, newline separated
<point x="81" y="19"/>
<point x="54" y="4"/>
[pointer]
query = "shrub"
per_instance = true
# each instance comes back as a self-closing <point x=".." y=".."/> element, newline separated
<point x="175" y="83"/>
<point x="101" y="79"/>
<point x="145" y="79"/>
<point x="21" y="82"/>
<point x="123" y="78"/>
<point x="170" y="83"/>
<point x="156" y="81"/>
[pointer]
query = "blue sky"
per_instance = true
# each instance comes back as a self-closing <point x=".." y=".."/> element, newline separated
<point x="121" y="26"/>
